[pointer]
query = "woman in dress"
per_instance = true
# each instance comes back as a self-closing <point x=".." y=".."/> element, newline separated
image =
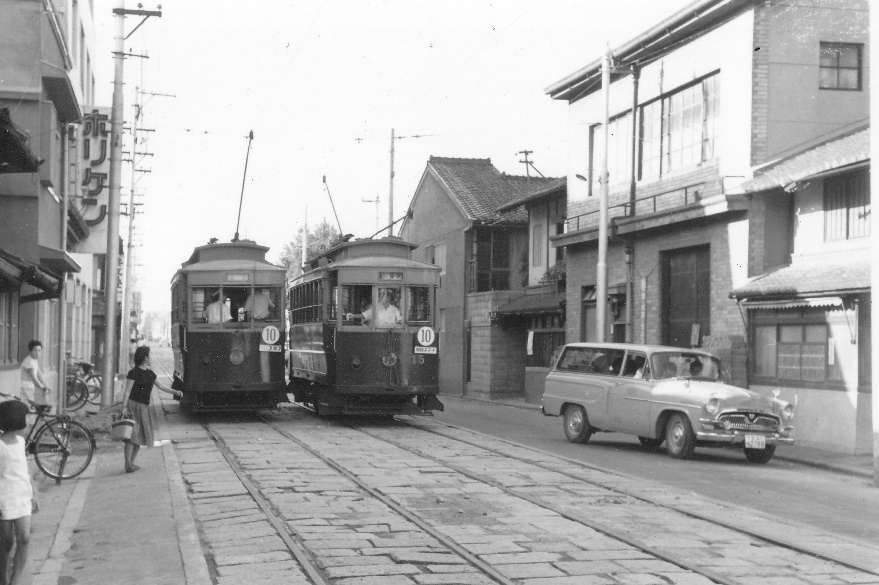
<point x="136" y="404"/>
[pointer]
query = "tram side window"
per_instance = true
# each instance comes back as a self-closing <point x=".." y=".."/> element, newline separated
<point x="353" y="301"/>
<point x="306" y="302"/>
<point x="419" y="305"/>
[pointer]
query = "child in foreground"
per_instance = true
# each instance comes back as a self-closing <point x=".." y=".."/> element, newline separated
<point x="18" y="499"/>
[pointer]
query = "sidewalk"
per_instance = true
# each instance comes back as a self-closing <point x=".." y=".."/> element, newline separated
<point x="859" y="465"/>
<point x="111" y="526"/>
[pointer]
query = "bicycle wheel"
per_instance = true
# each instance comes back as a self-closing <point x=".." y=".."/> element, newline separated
<point x="94" y="384"/>
<point x="77" y="393"/>
<point x="63" y="448"/>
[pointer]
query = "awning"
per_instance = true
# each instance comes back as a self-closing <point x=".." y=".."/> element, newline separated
<point x="534" y="304"/>
<point x="20" y="272"/>
<point x="826" y="275"/>
<point x="794" y="303"/>
<point x="15" y="156"/>
<point x="841" y="155"/>
<point x="57" y="261"/>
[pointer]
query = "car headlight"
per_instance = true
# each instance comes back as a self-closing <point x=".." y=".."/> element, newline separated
<point x="787" y="413"/>
<point x="712" y="407"/>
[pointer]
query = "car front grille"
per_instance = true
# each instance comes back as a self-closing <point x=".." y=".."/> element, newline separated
<point x="747" y="421"/>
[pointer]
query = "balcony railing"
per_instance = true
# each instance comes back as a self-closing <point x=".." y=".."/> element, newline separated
<point x="674" y="198"/>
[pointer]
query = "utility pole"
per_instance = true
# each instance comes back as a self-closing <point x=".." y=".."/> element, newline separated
<point x="601" y="265"/>
<point x="111" y="266"/>
<point x="376" y="201"/>
<point x="391" y="191"/>
<point x="527" y="164"/>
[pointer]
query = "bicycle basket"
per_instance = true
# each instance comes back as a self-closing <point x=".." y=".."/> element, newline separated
<point x="120" y="428"/>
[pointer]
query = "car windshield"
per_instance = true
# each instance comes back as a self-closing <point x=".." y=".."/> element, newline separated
<point x="684" y="364"/>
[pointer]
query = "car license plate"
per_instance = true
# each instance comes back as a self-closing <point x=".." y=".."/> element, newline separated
<point x="755" y="442"/>
<point x="272" y="348"/>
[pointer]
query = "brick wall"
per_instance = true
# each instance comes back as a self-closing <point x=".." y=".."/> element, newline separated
<point x="760" y="84"/>
<point x="497" y="353"/>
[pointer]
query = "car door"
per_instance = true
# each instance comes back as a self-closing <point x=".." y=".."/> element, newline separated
<point x="630" y="397"/>
<point x="574" y="381"/>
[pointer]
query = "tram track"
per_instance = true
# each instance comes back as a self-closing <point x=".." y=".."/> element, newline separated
<point x="605" y="529"/>
<point x="299" y="543"/>
<point x="738" y="527"/>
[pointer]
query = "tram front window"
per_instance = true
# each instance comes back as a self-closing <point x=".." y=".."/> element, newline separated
<point x="357" y="302"/>
<point x="262" y="305"/>
<point x="209" y="306"/>
<point x="354" y="301"/>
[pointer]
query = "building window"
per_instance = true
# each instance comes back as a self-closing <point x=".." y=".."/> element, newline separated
<point x="490" y="261"/>
<point x="840" y="66"/>
<point x="795" y="352"/>
<point x="538" y="241"/>
<point x="619" y="151"/>
<point x="847" y="206"/>
<point x="680" y="129"/>
<point x="547" y="337"/>
<point x="8" y="327"/>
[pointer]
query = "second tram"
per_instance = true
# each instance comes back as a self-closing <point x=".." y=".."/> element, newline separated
<point x="362" y="331"/>
<point x="228" y="334"/>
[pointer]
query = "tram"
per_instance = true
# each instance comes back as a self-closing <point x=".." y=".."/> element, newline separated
<point x="227" y="317"/>
<point x="362" y="331"/>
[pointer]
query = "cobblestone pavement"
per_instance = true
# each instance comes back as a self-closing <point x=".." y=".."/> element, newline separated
<point x="459" y="507"/>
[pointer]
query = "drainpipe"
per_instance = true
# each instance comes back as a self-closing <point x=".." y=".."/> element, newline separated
<point x="630" y="292"/>
<point x="61" y="391"/>
<point x="636" y="75"/>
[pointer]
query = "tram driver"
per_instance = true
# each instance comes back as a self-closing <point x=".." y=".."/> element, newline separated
<point x="387" y="316"/>
<point x="258" y="305"/>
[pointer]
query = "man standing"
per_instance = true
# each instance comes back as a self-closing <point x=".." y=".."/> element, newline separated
<point x="33" y="387"/>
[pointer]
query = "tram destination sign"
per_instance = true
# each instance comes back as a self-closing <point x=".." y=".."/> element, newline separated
<point x="390" y="276"/>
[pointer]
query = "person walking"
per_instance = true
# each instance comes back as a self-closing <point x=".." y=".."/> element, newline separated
<point x="136" y="403"/>
<point x="18" y="498"/>
<point x="33" y="387"/>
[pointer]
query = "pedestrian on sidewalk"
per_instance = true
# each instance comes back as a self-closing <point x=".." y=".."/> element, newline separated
<point x="18" y="499"/>
<point x="136" y="403"/>
<point x="33" y="387"/>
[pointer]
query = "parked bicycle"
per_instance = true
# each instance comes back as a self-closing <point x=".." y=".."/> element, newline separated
<point x="83" y="385"/>
<point x="62" y="447"/>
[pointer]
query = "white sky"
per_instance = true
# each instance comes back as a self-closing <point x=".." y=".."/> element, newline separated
<point x="311" y="78"/>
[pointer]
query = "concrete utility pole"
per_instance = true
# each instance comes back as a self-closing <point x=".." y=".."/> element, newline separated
<point x="391" y="191"/>
<point x="376" y="201"/>
<point x="601" y="265"/>
<point x="111" y="266"/>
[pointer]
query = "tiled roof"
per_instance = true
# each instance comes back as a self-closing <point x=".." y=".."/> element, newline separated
<point x="828" y="274"/>
<point x="554" y="188"/>
<point x="843" y="152"/>
<point x="480" y="189"/>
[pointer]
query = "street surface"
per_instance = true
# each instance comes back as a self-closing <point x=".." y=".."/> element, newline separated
<point x="840" y="504"/>
<point x="288" y="496"/>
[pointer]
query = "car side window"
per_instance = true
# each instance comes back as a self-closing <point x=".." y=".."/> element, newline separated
<point x="574" y="359"/>
<point x="635" y="366"/>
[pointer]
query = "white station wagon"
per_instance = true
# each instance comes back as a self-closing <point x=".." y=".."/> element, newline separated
<point x="662" y="394"/>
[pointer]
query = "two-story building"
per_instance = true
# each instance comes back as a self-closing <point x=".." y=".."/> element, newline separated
<point x="698" y="103"/>
<point x="483" y="254"/>
<point x="46" y="77"/>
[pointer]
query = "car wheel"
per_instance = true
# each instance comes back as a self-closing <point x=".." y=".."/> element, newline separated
<point x="760" y="455"/>
<point x="649" y="443"/>
<point x="577" y="427"/>
<point x="679" y="438"/>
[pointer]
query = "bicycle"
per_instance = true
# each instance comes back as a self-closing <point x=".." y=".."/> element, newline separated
<point x="93" y="380"/>
<point x="77" y="389"/>
<point x="62" y="447"/>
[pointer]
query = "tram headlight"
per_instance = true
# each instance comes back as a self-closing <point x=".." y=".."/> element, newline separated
<point x="236" y="356"/>
<point x="389" y="360"/>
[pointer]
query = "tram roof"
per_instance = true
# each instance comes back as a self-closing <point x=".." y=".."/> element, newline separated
<point x="228" y="251"/>
<point x="235" y="264"/>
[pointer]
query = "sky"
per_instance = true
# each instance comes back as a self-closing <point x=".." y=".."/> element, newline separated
<point x="322" y="84"/>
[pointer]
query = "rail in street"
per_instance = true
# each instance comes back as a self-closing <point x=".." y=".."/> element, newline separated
<point x="356" y="501"/>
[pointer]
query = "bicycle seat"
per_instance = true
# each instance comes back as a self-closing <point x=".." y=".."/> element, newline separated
<point x="41" y="408"/>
